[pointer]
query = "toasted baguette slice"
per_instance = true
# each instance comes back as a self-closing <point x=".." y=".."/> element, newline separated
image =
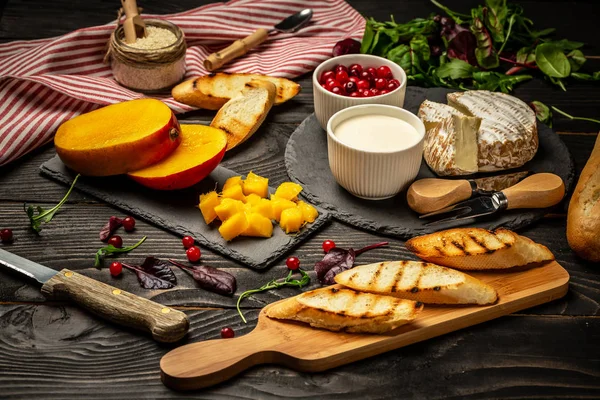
<point x="476" y="248"/>
<point x="337" y="309"/>
<point x="419" y="281"/>
<point x="241" y="116"/>
<point x="213" y="91"/>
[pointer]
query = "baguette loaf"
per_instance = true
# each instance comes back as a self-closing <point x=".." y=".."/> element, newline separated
<point x="212" y="91"/>
<point x="419" y="281"/>
<point x="476" y="249"/>
<point x="241" y="116"/>
<point x="583" y="217"/>
<point x="340" y="309"/>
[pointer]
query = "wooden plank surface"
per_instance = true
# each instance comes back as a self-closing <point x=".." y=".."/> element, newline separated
<point x="54" y="350"/>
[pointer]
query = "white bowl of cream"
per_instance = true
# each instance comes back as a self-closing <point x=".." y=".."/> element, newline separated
<point x="375" y="150"/>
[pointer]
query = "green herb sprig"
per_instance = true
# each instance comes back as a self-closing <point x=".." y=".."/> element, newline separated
<point x="544" y="113"/>
<point x="110" y="249"/>
<point x="275" y="284"/>
<point x="45" y="216"/>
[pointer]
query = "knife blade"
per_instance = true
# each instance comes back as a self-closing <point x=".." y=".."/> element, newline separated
<point x="536" y="191"/>
<point x="432" y="194"/>
<point x="164" y="323"/>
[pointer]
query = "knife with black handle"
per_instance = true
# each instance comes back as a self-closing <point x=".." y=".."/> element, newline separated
<point x="164" y="323"/>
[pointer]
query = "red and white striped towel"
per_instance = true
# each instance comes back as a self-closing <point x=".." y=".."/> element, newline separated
<point x="48" y="81"/>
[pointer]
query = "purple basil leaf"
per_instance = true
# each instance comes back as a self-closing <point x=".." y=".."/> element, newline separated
<point x="111" y="226"/>
<point x="345" y="265"/>
<point x="337" y="259"/>
<point x="214" y="280"/>
<point x="461" y="43"/>
<point x="155" y="274"/>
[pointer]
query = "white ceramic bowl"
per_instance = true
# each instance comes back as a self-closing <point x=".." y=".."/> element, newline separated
<point x="368" y="174"/>
<point x="327" y="103"/>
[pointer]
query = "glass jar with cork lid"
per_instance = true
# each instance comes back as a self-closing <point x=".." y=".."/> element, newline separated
<point x="153" y="63"/>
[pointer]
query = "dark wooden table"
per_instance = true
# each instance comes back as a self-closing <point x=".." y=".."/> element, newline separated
<point x="55" y="350"/>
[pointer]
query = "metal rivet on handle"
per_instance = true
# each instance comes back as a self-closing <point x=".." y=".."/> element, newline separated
<point x="68" y="274"/>
<point x="116" y="291"/>
<point x="166" y="310"/>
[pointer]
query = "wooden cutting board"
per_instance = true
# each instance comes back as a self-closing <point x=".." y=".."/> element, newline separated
<point x="303" y="348"/>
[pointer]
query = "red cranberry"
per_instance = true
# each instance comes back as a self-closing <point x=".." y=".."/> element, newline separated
<point x="6" y="235"/>
<point x="340" y="67"/>
<point x="366" y="93"/>
<point x="341" y="76"/>
<point x="116" y="241"/>
<point x="384" y="91"/>
<point x="372" y="71"/>
<point x="380" y="83"/>
<point x="384" y="72"/>
<point x="227" y="333"/>
<point x="328" y="245"/>
<point x="331" y="84"/>
<point x="129" y="224"/>
<point x="394" y="82"/>
<point x="365" y="75"/>
<point x="337" y="90"/>
<point x="374" y="92"/>
<point x="193" y="254"/>
<point x="116" y="268"/>
<point x="350" y="87"/>
<point x="325" y="76"/>
<point x="356" y="94"/>
<point x="363" y="84"/>
<point x="353" y="79"/>
<point x="187" y="241"/>
<point x="293" y="263"/>
<point x="356" y="67"/>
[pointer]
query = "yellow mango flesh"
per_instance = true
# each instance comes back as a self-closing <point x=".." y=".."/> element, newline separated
<point x="207" y="205"/>
<point x="256" y="184"/>
<point x="230" y="182"/>
<point x="234" y="226"/>
<point x="253" y="199"/>
<point x="309" y="213"/>
<point x="279" y="205"/>
<point x="258" y="226"/>
<point x="288" y="190"/>
<point x="291" y="220"/>
<point x="233" y="192"/>
<point x="264" y="208"/>
<point x="228" y="208"/>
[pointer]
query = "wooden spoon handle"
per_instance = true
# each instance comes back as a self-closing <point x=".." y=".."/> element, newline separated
<point x="430" y="194"/>
<point x="164" y="323"/>
<point x="235" y="50"/>
<point x="537" y="191"/>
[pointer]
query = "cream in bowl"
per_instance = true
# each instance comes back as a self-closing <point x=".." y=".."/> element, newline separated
<point x="375" y="150"/>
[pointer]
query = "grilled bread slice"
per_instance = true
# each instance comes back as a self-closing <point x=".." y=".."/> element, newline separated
<point x="241" y="116"/>
<point x="419" y="281"/>
<point x="341" y="309"/>
<point x="476" y="249"/>
<point x="212" y="91"/>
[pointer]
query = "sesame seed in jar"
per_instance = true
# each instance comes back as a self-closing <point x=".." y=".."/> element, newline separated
<point x="156" y="38"/>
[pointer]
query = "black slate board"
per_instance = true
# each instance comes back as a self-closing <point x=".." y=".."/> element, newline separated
<point x="177" y="211"/>
<point x="307" y="164"/>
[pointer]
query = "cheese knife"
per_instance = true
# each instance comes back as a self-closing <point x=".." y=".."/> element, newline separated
<point x="536" y="191"/>
<point x="116" y="305"/>
<point x="433" y="194"/>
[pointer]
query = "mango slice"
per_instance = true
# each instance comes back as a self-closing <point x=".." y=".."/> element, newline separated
<point x="279" y="205"/>
<point x="234" y="226"/>
<point x="253" y="199"/>
<point x="309" y="213"/>
<point x="234" y="180"/>
<point x="256" y="184"/>
<point x="258" y="226"/>
<point x="233" y="192"/>
<point x="228" y="208"/>
<point x="291" y="220"/>
<point x="288" y="191"/>
<point x="264" y="208"/>
<point x="207" y="205"/>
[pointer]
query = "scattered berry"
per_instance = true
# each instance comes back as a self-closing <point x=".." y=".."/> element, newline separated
<point x="116" y="268"/>
<point x="6" y="235"/>
<point x="187" y="241"/>
<point x="293" y="263"/>
<point x="328" y="245"/>
<point x="227" y="333"/>
<point x="193" y="254"/>
<point x="129" y="224"/>
<point x="116" y="241"/>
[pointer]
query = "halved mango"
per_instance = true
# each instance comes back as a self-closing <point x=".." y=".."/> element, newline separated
<point x="233" y="192"/>
<point x="308" y="211"/>
<point x="258" y="226"/>
<point x="234" y="180"/>
<point x="288" y="191"/>
<point x="291" y="220"/>
<point x="234" y="226"/>
<point x="207" y="205"/>
<point x="256" y="184"/>
<point x="264" y="207"/>
<point x="228" y="208"/>
<point x="280" y="204"/>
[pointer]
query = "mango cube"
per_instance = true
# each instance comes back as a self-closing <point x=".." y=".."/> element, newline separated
<point x="280" y="204"/>
<point x="230" y="182"/>
<point x="233" y="192"/>
<point x="264" y="208"/>
<point x="228" y="208"/>
<point x="291" y="220"/>
<point x="309" y="213"/>
<point x="253" y="199"/>
<point x="288" y="190"/>
<point x="256" y="184"/>
<point x="234" y="226"/>
<point x="258" y="226"/>
<point x="207" y="205"/>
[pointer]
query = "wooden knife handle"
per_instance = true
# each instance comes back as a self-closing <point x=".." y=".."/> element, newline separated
<point x="164" y="323"/>
<point x="430" y="194"/>
<point x="235" y="50"/>
<point x="537" y="191"/>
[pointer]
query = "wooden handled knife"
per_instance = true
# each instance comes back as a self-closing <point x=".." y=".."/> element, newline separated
<point x="432" y="194"/>
<point x="164" y="323"/>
